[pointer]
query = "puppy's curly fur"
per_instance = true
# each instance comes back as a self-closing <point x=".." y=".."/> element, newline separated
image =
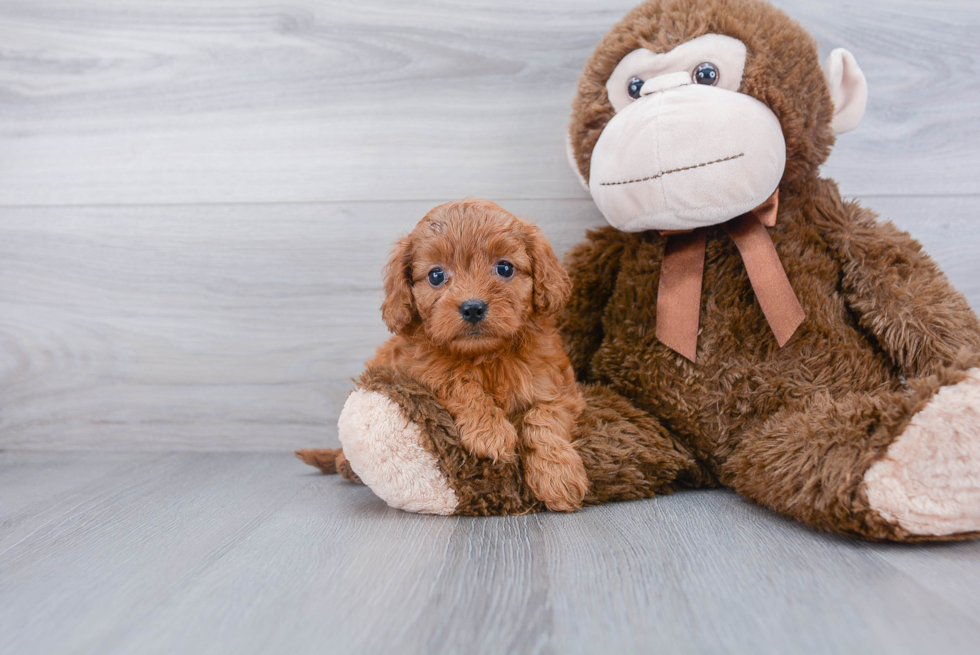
<point x="504" y="378"/>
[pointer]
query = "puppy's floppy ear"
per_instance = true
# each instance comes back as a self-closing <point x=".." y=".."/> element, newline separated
<point x="398" y="308"/>
<point x="552" y="286"/>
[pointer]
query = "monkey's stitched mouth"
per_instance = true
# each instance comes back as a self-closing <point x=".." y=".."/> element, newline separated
<point x="676" y="170"/>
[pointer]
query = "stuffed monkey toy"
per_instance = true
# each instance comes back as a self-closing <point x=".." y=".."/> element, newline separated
<point x="737" y="323"/>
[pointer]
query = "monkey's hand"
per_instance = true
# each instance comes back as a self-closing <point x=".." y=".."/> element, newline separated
<point x="898" y="293"/>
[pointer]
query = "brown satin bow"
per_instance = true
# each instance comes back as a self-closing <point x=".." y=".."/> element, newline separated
<point x="679" y="294"/>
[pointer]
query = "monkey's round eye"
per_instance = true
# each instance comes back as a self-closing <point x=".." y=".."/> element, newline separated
<point x="437" y="276"/>
<point x="707" y="74"/>
<point x="633" y="88"/>
<point x="505" y="269"/>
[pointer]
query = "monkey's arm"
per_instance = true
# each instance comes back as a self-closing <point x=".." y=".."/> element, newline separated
<point x="900" y="295"/>
<point x="593" y="266"/>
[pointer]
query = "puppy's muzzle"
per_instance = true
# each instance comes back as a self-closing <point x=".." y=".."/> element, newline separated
<point x="473" y="311"/>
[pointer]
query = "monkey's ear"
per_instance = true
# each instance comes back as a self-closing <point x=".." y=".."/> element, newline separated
<point x="398" y="308"/>
<point x="552" y="286"/>
<point x="848" y="90"/>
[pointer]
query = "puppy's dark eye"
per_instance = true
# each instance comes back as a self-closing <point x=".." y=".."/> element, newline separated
<point x="437" y="276"/>
<point x="505" y="269"/>
<point x="633" y="88"/>
<point x="706" y="74"/>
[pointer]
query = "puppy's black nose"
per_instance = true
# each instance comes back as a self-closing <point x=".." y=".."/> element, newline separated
<point x="473" y="311"/>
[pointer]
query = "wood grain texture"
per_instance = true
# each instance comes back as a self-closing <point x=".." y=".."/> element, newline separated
<point x="252" y="553"/>
<point x="196" y="198"/>
<point x="168" y="276"/>
<point x="217" y="327"/>
<point x="240" y="327"/>
<point x="154" y="101"/>
<point x="112" y="548"/>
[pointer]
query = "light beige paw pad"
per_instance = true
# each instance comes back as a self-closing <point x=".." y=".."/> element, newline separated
<point x="385" y="450"/>
<point x="929" y="480"/>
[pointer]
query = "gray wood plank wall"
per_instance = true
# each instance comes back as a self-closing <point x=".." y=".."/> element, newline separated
<point x="196" y="197"/>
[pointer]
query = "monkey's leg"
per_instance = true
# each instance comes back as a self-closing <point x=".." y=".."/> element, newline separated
<point x="929" y="480"/>
<point x="628" y="454"/>
<point x="405" y="447"/>
<point x="898" y="466"/>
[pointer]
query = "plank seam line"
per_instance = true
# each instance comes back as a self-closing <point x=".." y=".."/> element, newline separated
<point x="272" y="203"/>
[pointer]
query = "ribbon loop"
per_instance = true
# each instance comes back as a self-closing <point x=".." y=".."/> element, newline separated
<point x="682" y="273"/>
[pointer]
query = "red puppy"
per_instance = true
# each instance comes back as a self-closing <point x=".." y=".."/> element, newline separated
<point x="469" y="296"/>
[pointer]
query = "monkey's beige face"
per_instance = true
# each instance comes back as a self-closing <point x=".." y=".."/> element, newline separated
<point x="685" y="148"/>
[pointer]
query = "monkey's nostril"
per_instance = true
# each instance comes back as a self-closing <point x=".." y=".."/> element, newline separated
<point x="473" y="311"/>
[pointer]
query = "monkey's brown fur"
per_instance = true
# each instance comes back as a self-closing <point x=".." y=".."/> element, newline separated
<point x="626" y="453"/>
<point x="794" y="428"/>
<point x="782" y="71"/>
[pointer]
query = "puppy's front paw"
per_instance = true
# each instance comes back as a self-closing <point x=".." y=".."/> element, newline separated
<point x="557" y="477"/>
<point x="496" y="439"/>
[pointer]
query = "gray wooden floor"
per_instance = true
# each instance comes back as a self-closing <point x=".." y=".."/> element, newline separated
<point x="253" y="553"/>
<point x="196" y="198"/>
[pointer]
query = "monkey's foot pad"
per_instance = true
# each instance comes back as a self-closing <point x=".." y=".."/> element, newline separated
<point x="929" y="480"/>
